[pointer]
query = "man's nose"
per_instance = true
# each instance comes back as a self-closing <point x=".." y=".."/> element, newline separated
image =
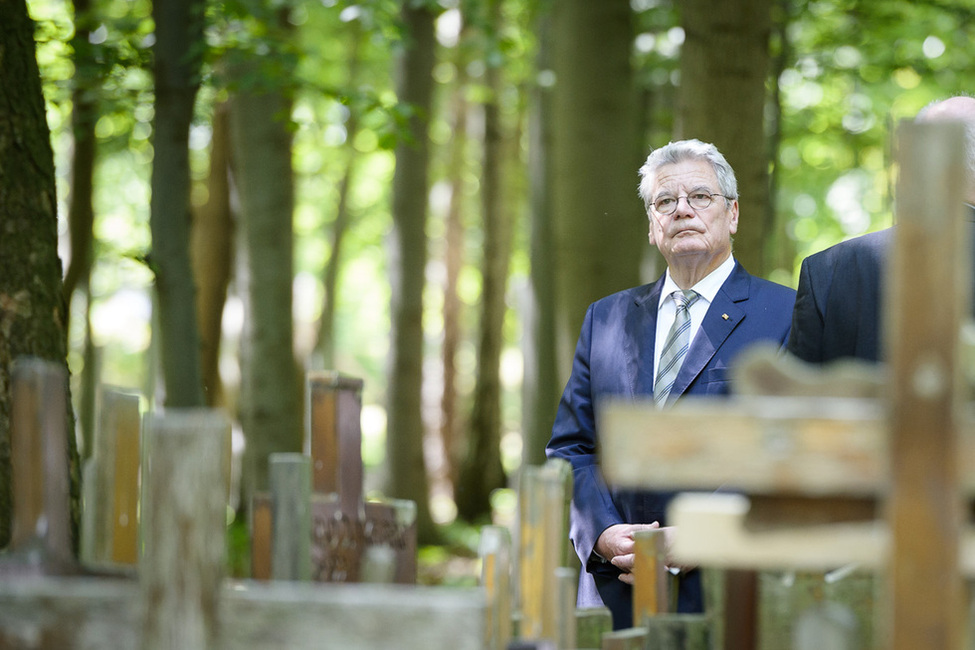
<point x="683" y="207"/>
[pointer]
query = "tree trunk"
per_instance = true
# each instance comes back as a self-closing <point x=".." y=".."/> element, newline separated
<point x="542" y="385"/>
<point x="408" y="258"/>
<point x="81" y="215"/>
<point x="325" y="343"/>
<point x="781" y="249"/>
<point x="211" y="247"/>
<point x="32" y="309"/>
<point x="270" y="403"/>
<point x="600" y="232"/>
<point x="453" y="260"/>
<point x="83" y="116"/>
<point x="482" y="471"/>
<point x="176" y="71"/>
<point x="724" y="67"/>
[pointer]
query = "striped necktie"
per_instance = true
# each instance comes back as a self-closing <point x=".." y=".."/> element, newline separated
<point x="678" y="340"/>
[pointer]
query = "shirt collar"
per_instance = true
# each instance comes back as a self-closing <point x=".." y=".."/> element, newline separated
<point x="708" y="287"/>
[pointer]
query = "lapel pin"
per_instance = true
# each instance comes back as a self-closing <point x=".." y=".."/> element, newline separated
<point x="724" y="316"/>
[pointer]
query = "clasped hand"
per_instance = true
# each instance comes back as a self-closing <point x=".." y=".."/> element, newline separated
<point x="616" y="545"/>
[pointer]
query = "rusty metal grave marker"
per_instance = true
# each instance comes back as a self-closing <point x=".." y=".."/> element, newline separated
<point x="344" y="526"/>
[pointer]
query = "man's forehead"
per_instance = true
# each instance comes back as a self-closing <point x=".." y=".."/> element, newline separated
<point x="686" y="174"/>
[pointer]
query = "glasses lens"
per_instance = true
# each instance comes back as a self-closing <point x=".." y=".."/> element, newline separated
<point x="665" y="204"/>
<point x="699" y="201"/>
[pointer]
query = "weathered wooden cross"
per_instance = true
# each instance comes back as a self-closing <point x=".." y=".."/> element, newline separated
<point x="808" y="475"/>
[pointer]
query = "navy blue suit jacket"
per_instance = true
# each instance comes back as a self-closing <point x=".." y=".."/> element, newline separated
<point x="614" y="357"/>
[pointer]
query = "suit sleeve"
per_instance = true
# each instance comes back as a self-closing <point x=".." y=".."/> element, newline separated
<point x="574" y="439"/>
<point x="806" y="336"/>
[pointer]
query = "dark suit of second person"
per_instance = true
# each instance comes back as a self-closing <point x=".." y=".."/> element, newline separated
<point x="838" y="311"/>
<point x="691" y="198"/>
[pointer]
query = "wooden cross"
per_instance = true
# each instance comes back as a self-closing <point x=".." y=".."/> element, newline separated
<point x="810" y="473"/>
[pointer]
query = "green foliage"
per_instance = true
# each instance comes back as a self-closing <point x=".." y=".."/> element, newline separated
<point x="857" y="69"/>
<point x="238" y="549"/>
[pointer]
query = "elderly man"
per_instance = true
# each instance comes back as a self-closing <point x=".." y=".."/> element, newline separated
<point x="677" y="336"/>
<point x="834" y="320"/>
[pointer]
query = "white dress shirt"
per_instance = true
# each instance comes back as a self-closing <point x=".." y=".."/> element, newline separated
<point x="707" y="289"/>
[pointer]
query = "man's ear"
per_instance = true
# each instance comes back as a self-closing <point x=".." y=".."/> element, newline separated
<point x="733" y="225"/>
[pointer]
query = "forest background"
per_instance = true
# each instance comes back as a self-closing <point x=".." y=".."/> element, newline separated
<point x="427" y="195"/>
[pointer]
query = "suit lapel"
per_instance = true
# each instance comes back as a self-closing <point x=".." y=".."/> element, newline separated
<point x="722" y="318"/>
<point x="639" y="339"/>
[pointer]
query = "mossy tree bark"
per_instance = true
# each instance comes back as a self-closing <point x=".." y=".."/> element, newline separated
<point x="32" y="308"/>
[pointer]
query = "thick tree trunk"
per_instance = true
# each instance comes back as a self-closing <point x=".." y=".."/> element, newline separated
<point x="724" y="67"/>
<point x="270" y="403"/>
<point x="176" y="72"/>
<point x="32" y="309"/>
<point x="599" y="233"/>
<point x="408" y="259"/>
<point x="211" y="248"/>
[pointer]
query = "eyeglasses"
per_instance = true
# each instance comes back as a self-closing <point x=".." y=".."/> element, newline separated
<point x="697" y="201"/>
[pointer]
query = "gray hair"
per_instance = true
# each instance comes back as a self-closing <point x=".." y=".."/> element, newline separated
<point x="966" y="116"/>
<point x="681" y="151"/>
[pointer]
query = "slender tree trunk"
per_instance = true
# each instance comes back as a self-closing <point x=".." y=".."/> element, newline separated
<point x="325" y="344"/>
<point x="542" y="386"/>
<point x="724" y="67"/>
<point x="600" y="232"/>
<point x="32" y="309"/>
<point x="408" y="258"/>
<point x="176" y="72"/>
<point x="453" y="261"/>
<point x="457" y="172"/>
<point x="211" y="247"/>
<point x="270" y="404"/>
<point x="482" y="471"/>
<point x="81" y="214"/>
<point x="781" y="250"/>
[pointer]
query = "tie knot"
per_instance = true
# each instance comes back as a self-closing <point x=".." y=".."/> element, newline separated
<point x="684" y="299"/>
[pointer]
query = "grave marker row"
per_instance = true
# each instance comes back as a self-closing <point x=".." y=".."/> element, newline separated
<point x="181" y="599"/>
